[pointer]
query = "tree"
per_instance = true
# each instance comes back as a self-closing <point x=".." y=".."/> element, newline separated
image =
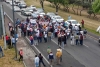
<point x="85" y="5"/>
<point x="56" y="3"/>
<point x="65" y="3"/>
<point x="42" y="4"/>
<point x="96" y="6"/>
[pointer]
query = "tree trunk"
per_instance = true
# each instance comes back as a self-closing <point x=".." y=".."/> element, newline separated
<point x="41" y="2"/>
<point x="73" y="8"/>
<point x="81" y="11"/>
<point x="57" y="9"/>
<point x="77" y="9"/>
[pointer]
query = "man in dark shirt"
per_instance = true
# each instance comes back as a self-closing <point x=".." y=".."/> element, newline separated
<point x="41" y="60"/>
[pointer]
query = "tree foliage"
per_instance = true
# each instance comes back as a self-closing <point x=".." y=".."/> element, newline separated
<point x="96" y="6"/>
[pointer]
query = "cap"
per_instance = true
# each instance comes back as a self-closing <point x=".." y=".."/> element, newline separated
<point x="58" y="49"/>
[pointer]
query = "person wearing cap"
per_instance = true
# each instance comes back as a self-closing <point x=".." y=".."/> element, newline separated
<point x="58" y="55"/>
<point x="21" y="54"/>
<point x="48" y="50"/>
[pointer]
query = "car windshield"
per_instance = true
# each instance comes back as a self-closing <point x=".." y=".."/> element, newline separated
<point x="58" y="17"/>
<point x="51" y="14"/>
<point x="74" y="22"/>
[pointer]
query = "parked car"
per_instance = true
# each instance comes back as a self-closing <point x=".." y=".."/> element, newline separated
<point x="73" y="22"/>
<point x="26" y="12"/>
<point x="51" y="14"/>
<point x="22" y="5"/>
<point x="30" y="8"/>
<point x="8" y="1"/>
<point x="16" y="9"/>
<point x="57" y="18"/>
<point x="36" y="14"/>
<point x="39" y="10"/>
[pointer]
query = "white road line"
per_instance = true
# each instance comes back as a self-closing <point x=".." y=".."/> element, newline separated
<point x="86" y="46"/>
<point x="39" y="52"/>
<point x="57" y="43"/>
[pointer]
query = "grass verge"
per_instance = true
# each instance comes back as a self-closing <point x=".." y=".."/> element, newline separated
<point x="7" y="60"/>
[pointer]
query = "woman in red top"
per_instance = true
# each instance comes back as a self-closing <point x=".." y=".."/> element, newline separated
<point x="7" y="37"/>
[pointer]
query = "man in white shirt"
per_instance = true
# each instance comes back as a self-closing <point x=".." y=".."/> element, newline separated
<point x="36" y="60"/>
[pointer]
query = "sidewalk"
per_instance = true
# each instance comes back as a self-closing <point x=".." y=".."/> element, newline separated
<point x="29" y="54"/>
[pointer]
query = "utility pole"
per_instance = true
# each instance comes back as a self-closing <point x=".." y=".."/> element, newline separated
<point x="3" y="21"/>
<point x="14" y="28"/>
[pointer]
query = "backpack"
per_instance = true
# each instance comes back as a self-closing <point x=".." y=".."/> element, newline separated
<point x="99" y="40"/>
<point x="85" y="32"/>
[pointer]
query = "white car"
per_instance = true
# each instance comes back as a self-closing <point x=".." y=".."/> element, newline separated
<point x="16" y="9"/>
<point x="57" y="18"/>
<point x="51" y="14"/>
<point x="73" y="22"/>
<point x="8" y="1"/>
<point x="29" y="8"/>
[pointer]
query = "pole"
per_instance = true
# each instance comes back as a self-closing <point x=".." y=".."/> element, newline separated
<point x="3" y="20"/>
<point x="14" y="28"/>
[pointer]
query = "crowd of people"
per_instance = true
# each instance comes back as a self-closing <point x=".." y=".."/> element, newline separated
<point x="44" y="32"/>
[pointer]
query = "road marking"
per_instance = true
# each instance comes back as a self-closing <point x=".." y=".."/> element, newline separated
<point x="39" y="52"/>
<point x="57" y="43"/>
<point x="86" y="46"/>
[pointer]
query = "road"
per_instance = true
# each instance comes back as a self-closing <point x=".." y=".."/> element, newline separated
<point x="77" y="56"/>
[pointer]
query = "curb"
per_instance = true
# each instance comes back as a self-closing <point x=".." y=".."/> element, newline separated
<point x="12" y="21"/>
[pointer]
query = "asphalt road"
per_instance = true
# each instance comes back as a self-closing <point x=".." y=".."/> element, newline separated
<point x="77" y="56"/>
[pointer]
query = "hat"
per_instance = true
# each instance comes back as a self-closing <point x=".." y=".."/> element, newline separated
<point x="58" y="49"/>
<point x="48" y="47"/>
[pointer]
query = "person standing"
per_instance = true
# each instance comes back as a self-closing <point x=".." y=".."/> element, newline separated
<point x="31" y="39"/>
<point x="72" y="39"/>
<point x="59" y="39"/>
<point x="58" y="56"/>
<point x="35" y="40"/>
<point x="81" y="39"/>
<point x="36" y="61"/>
<point x="19" y="31"/>
<point x="51" y="58"/>
<point x="13" y="41"/>
<point x="62" y="40"/>
<point x="41" y="60"/>
<point x="21" y="54"/>
<point x="61" y="54"/>
<point x="45" y="36"/>
<point x="76" y="39"/>
<point x="9" y="42"/>
<point x="7" y="39"/>
<point x="10" y="25"/>
<point x="82" y="23"/>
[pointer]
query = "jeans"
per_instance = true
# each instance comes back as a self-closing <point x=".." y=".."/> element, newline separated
<point x="45" y="39"/>
<point x="76" y="41"/>
<point x="35" y="42"/>
<point x="31" y="42"/>
<point x="81" y="42"/>
<point x="41" y="61"/>
<point x="49" y="38"/>
<point x="62" y="44"/>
